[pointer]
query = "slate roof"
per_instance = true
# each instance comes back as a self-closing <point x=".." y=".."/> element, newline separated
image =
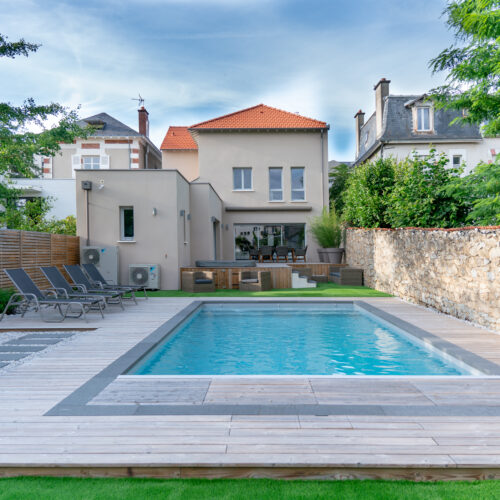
<point x="112" y="127"/>
<point x="398" y="126"/>
<point x="260" y="117"/>
<point x="178" y="138"/>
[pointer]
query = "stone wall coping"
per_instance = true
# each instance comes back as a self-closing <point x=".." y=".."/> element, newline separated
<point x="445" y="229"/>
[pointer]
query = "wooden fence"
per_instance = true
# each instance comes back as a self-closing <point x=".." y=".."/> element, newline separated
<point x="29" y="250"/>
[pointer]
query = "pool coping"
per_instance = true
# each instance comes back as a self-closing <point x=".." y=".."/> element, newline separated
<point x="76" y="404"/>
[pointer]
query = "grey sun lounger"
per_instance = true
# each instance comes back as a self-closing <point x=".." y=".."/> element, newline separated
<point x="61" y="285"/>
<point x="96" y="276"/>
<point x="31" y="296"/>
<point x="79" y="278"/>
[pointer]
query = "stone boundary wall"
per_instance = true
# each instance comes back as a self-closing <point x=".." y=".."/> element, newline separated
<point x="456" y="271"/>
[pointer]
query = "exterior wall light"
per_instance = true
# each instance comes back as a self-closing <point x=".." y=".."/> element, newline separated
<point x="154" y="211"/>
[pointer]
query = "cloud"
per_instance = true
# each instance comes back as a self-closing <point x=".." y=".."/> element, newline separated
<point x="196" y="59"/>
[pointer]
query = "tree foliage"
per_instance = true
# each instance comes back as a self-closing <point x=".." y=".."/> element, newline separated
<point x="426" y="194"/>
<point x="18" y="142"/>
<point x="473" y="63"/>
<point x="366" y="195"/>
<point x="33" y="216"/>
<point x="338" y="176"/>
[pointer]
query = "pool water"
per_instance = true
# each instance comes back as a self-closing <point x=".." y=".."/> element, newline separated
<point x="290" y="339"/>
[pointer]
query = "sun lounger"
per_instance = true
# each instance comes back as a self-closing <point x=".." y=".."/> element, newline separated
<point x="95" y="275"/>
<point x="31" y="296"/>
<point x="80" y="278"/>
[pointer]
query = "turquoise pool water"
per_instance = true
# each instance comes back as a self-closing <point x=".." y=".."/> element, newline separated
<point x="293" y="339"/>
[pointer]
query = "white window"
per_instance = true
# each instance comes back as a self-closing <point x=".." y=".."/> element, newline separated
<point x="242" y="179"/>
<point x="127" y="223"/>
<point x="275" y="184"/>
<point x="457" y="161"/>
<point x="91" y="162"/>
<point x="298" y="186"/>
<point x="423" y="118"/>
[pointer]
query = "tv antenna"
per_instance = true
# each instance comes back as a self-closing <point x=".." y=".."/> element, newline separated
<point x="140" y="100"/>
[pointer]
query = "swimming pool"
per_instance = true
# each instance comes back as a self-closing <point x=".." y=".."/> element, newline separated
<point x="291" y="339"/>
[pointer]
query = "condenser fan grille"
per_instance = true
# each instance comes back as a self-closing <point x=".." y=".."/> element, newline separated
<point x="140" y="275"/>
<point x="91" y="256"/>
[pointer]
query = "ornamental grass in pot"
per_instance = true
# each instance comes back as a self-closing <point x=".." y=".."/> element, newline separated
<point x="327" y="231"/>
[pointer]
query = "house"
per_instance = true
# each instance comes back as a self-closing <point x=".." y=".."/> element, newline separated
<point x="111" y="145"/>
<point x="227" y="186"/>
<point x="403" y="125"/>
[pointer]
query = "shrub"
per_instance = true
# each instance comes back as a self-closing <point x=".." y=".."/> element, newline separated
<point x="327" y="229"/>
<point x="366" y="196"/>
<point x="339" y="176"/>
<point x="426" y="193"/>
<point x="5" y="295"/>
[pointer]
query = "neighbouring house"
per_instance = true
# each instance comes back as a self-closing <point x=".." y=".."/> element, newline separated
<point x="111" y="145"/>
<point x="405" y="125"/>
<point x="228" y="186"/>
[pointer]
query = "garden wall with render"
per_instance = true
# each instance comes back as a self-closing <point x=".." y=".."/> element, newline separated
<point x="456" y="271"/>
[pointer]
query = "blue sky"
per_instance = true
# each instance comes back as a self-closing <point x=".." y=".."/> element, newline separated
<point x="197" y="59"/>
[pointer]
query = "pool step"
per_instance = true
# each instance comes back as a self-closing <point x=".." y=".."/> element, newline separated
<point x="301" y="281"/>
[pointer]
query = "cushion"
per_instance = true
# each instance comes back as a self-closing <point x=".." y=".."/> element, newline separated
<point x="202" y="281"/>
<point x="336" y="274"/>
<point x="250" y="280"/>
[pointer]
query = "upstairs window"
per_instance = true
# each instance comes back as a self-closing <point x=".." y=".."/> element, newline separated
<point x="423" y="119"/>
<point x="298" y="186"/>
<point x="127" y="223"/>
<point x="242" y="179"/>
<point x="91" y="162"/>
<point x="275" y="184"/>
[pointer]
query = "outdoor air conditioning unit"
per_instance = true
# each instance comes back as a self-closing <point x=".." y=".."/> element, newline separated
<point x="105" y="259"/>
<point x="147" y="275"/>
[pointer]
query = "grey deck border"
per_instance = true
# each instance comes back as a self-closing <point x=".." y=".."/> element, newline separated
<point x="76" y="403"/>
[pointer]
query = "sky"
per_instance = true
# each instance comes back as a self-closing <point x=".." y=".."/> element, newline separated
<point x="192" y="60"/>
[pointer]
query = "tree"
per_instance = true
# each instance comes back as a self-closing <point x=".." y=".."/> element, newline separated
<point x="338" y="175"/>
<point x="366" y="195"/>
<point x="18" y="146"/>
<point x="427" y="193"/>
<point x="33" y="216"/>
<point x="473" y="64"/>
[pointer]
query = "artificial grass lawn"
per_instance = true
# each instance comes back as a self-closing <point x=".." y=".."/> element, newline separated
<point x="323" y="290"/>
<point x="40" y="488"/>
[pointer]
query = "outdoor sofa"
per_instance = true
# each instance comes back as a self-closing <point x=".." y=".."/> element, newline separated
<point x="347" y="276"/>
<point x="197" y="281"/>
<point x="255" y="281"/>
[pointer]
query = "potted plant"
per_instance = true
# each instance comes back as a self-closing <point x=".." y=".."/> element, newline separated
<point x="327" y="231"/>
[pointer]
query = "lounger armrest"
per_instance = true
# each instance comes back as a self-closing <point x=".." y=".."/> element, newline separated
<point x="99" y="284"/>
<point x="80" y="288"/>
<point x="50" y="292"/>
<point x="61" y="291"/>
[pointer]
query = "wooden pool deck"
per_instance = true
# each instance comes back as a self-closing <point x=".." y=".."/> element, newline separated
<point x="461" y="443"/>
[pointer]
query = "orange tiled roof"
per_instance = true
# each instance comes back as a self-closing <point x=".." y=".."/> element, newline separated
<point x="260" y="116"/>
<point x="178" y="138"/>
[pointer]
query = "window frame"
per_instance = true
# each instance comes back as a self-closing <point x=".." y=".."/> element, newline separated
<point x="461" y="160"/>
<point x="242" y="178"/>
<point x="429" y="111"/>
<point x="123" y="237"/>
<point x="91" y="157"/>
<point x="274" y="189"/>
<point x="303" y="184"/>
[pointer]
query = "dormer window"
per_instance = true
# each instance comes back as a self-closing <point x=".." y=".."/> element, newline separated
<point x="423" y="118"/>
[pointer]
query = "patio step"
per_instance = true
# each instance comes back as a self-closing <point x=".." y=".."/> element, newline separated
<point x="300" y="281"/>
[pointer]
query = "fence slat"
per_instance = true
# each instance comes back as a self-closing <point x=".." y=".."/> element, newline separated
<point x="30" y="249"/>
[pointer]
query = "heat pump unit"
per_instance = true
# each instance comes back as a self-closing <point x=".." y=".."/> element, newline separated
<point x="147" y="275"/>
<point x="104" y="258"/>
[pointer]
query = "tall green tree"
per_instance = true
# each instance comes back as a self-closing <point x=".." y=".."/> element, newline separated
<point x="338" y="176"/>
<point x="18" y="142"/>
<point x="472" y="63"/>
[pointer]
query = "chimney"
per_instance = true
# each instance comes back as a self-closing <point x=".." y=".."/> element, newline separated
<point x="360" y="121"/>
<point x="381" y="92"/>
<point x="143" y="121"/>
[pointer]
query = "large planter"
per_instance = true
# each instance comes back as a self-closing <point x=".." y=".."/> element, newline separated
<point x="333" y="255"/>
